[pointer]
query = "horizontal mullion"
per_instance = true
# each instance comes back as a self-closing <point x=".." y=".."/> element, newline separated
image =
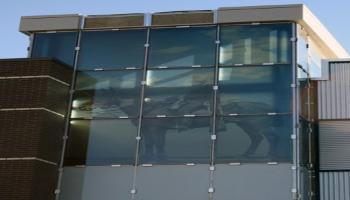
<point x="160" y="67"/>
<point x="101" y="69"/>
<point x="104" y="118"/>
<point x="254" y="114"/>
<point x="257" y="65"/>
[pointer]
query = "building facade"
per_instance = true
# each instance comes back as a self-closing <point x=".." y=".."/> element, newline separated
<point x="188" y="105"/>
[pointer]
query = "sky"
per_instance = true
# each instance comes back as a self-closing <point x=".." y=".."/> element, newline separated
<point x="333" y="14"/>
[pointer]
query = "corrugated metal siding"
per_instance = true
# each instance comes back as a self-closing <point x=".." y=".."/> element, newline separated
<point x="334" y="145"/>
<point x="334" y="94"/>
<point x="335" y="185"/>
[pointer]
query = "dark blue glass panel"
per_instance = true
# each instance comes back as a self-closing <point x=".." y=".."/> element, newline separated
<point x="175" y="140"/>
<point x="107" y="94"/>
<point x="254" y="90"/>
<point x="101" y="142"/>
<point x="255" y="44"/>
<point x="60" y="46"/>
<point x="178" y="92"/>
<point x="254" y="139"/>
<point x="182" y="47"/>
<point x="112" y="49"/>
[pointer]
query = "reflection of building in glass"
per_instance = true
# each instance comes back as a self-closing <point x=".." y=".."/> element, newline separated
<point x="189" y="105"/>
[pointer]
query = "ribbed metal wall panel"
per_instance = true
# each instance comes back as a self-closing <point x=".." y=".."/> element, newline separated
<point x="334" y="145"/>
<point x="334" y="94"/>
<point x="335" y="185"/>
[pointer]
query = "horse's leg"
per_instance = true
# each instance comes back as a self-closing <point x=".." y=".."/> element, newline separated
<point x="272" y="138"/>
<point x="160" y="144"/>
<point x="254" y="135"/>
<point x="149" y="143"/>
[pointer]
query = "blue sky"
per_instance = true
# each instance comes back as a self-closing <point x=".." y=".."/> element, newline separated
<point x="333" y="14"/>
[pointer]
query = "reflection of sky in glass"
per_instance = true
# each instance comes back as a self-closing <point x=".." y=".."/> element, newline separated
<point x="174" y="47"/>
<point x="107" y="80"/>
<point x="248" y="75"/>
<point x="179" y="78"/>
<point x="255" y="44"/>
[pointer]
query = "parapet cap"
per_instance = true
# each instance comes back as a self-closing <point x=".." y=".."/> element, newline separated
<point x="298" y="13"/>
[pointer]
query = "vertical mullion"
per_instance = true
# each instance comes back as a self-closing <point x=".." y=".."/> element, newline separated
<point x="296" y="162"/>
<point x="142" y="96"/>
<point x="215" y="88"/>
<point x="69" y="110"/>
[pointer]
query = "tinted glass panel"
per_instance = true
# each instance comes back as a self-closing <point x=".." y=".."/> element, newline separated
<point x="252" y="90"/>
<point x="107" y="94"/>
<point x="182" y="47"/>
<point x="112" y="49"/>
<point x="101" y="142"/>
<point x="172" y="182"/>
<point x="175" y="140"/>
<point x="255" y="44"/>
<point x="96" y="182"/>
<point x="179" y="92"/>
<point x="254" y="139"/>
<point x="55" y="45"/>
<point x="302" y="50"/>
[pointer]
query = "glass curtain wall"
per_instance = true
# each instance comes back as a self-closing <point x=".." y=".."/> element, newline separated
<point x="163" y="111"/>
<point x="60" y="46"/>
<point x="254" y="77"/>
<point x="254" y="121"/>
<point x="306" y="70"/>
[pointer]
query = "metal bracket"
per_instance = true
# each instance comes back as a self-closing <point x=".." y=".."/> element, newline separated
<point x="293" y="136"/>
<point x="213" y="137"/>
<point x="133" y="191"/>
<point x="211" y="190"/>
<point x="138" y="137"/>
<point x="212" y="168"/>
<point x="215" y="87"/>
<point x="293" y="39"/>
<point x="293" y="85"/>
<point x="57" y="191"/>
<point x="146" y="45"/>
<point x="143" y="82"/>
<point x="65" y="137"/>
<point x="77" y="48"/>
<point x="217" y="42"/>
<point x="71" y="91"/>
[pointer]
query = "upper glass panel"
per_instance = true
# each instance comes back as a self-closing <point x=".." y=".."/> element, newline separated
<point x="175" y="140"/>
<point x="254" y="138"/>
<point x="60" y="46"/>
<point x="302" y="49"/>
<point x="178" y="92"/>
<point x="254" y="90"/>
<point x="107" y="94"/>
<point x="255" y="44"/>
<point x="112" y="49"/>
<point x="182" y="47"/>
<point x="101" y="142"/>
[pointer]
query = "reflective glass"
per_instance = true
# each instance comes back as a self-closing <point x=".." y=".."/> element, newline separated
<point x="304" y="98"/>
<point x="60" y="46"/>
<point x="254" y="138"/>
<point x="107" y="94"/>
<point x="182" y="46"/>
<point x="304" y="141"/>
<point x="175" y="140"/>
<point x="254" y="90"/>
<point x="112" y="49"/>
<point x="315" y="61"/>
<point x="255" y="44"/>
<point x="302" y="50"/>
<point x="177" y="92"/>
<point x="101" y="142"/>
